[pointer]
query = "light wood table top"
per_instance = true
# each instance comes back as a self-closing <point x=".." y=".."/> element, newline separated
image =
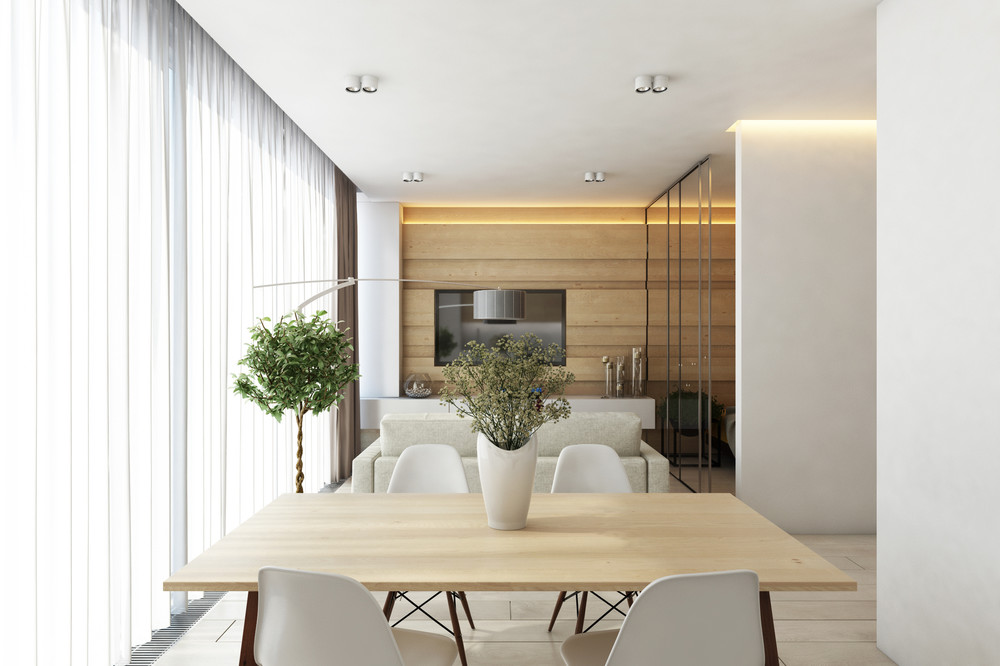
<point x="572" y="542"/>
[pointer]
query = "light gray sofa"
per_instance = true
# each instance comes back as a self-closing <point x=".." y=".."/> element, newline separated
<point x="647" y="470"/>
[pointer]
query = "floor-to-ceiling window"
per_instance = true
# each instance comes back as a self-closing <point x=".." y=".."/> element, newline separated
<point x="148" y="185"/>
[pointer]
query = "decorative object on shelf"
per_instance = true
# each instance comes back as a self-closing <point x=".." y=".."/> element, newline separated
<point x="300" y="364"/>
<point x="638" y="386"/>
<point x="609" y="379"/>
<point x="417" y="385"/>
<point x="619" y="376"/>
<point x="508" y="391"/>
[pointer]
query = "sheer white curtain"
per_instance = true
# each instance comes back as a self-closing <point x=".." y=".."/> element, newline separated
<point x="259" y="209"/>
<point x="147" y="185"/>
<point x="85" y="500"/>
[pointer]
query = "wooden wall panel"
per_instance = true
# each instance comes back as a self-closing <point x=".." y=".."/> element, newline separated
<point x="444" y="242"/>
<point x="615" y="298"/>
<point x="723" y="241"/>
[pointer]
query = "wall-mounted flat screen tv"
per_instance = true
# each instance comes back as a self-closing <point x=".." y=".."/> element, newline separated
<point x="545" y="316"/>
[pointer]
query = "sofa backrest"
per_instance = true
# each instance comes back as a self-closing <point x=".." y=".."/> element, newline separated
<point x="399" y="431"/>
<point x="622" y="431"/>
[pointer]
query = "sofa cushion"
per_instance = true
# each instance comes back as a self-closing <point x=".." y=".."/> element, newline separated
<point x="399" y="431"/>
<point x="622" y="431"/>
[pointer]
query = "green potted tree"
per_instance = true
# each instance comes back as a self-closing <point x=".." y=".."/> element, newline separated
<point x="508" y="391"/>
<point x="301" y="364"/>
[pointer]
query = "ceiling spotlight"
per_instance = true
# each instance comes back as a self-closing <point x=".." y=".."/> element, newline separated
<point x="588" y="177"/>
<point x="407" y="176"/>
<point x="369" y="83"/>
<point x="659" y="83"/>
<point x="352" y="84"/>
<point x="418" y="176"/>
<point x="643" y="83"/>
<point x="599" y="177"/>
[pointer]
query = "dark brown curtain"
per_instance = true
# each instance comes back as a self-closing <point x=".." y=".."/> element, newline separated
<point x="347" y="435"/>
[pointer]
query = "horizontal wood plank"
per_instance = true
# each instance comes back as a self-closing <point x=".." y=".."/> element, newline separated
<point x="521" y="241"/>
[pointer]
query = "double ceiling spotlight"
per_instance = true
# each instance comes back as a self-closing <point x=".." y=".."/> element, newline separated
<point x="593" y="177"/>
<point x="413" y="176"/>
<point x="354" y="84"/>
<point x="645" y="83"/>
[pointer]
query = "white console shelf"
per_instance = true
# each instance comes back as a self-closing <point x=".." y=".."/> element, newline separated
<point x="373" y="409"/>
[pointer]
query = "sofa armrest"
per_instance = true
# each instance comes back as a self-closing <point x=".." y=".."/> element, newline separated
<point x="657" y="469"/>
<point x="363" y="469"/>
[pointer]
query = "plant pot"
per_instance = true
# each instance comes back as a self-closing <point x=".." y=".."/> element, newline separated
<point x="508" y="478"/>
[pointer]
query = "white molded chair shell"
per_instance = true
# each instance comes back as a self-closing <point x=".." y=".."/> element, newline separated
<point x="705" y="618"/>
<point x="428" y="468"/>
<point x="311" y="619"/>
<point x="590" y="468"/>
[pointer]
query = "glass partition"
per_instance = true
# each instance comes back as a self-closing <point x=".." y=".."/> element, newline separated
<point x="680" y="292"/>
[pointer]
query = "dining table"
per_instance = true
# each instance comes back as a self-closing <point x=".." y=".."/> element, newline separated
<point x="592" y="542"/>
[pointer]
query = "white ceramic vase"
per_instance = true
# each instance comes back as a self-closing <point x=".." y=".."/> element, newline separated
<point x="508" y="478"/>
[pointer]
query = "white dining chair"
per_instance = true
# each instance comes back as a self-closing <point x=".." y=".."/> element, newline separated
<point x="315" y="619"/>
<point x="589" y="468"/>
<point x="709" y="619"/>
<point x="430" y="468"/>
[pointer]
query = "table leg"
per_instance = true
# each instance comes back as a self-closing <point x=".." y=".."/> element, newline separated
<point x="767" y="626"/>
<point x="582" y="613"/>
<point x="455" y="627"/>
<point x="249" y="631"/>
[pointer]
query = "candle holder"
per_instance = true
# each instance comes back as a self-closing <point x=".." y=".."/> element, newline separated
<point x="620" y="376"/>
<point x="609" y="379"/>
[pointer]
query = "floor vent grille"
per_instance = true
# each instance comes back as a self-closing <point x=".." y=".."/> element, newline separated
<point x="162" y="639"/>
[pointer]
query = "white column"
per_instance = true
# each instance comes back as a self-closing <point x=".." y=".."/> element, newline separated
<point x="805" y="332"/>
<point x="938" y="324"/>
<point x="378" y="302"/>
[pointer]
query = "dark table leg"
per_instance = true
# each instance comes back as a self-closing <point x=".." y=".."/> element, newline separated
<point x="767" y="626"/>
<point x="457" y="630"/>
<point x="249" y="631"/>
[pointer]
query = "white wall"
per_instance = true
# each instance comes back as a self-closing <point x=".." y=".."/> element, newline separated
<point x="805" y="332"/>
<point x="378" y="302"/>
<point x="938" y="331"/>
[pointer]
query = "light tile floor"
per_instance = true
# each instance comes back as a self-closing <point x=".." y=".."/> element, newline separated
<point x="813" y="628"/>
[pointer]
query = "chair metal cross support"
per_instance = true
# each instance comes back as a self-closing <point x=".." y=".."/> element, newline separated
<point x="456" y="630"/>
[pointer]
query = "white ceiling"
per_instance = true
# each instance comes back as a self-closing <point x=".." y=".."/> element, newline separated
<point x="509" y="103"/>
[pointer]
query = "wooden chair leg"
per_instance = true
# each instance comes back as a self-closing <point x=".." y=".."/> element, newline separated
<point x="629" y="596"/>
<point x="390" y="601"/>
<point x="555" y="613"/>
<point x="582" y="613"/>
<point x="455" y="628"/>
<point x="465" y="605"/>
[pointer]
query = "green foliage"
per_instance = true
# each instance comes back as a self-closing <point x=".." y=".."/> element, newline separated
<point x="508" y="390"/>
<point x="302" y="364"/>
<point x="686" y="403"/>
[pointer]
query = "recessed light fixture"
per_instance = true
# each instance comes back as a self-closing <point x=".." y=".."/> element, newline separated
<point x="367" y="82"/>
<point x="413" y="176"/>
<point x="645" y="83"/>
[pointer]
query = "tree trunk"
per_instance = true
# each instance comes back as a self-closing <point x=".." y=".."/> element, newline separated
<point x="299" y="476"/>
